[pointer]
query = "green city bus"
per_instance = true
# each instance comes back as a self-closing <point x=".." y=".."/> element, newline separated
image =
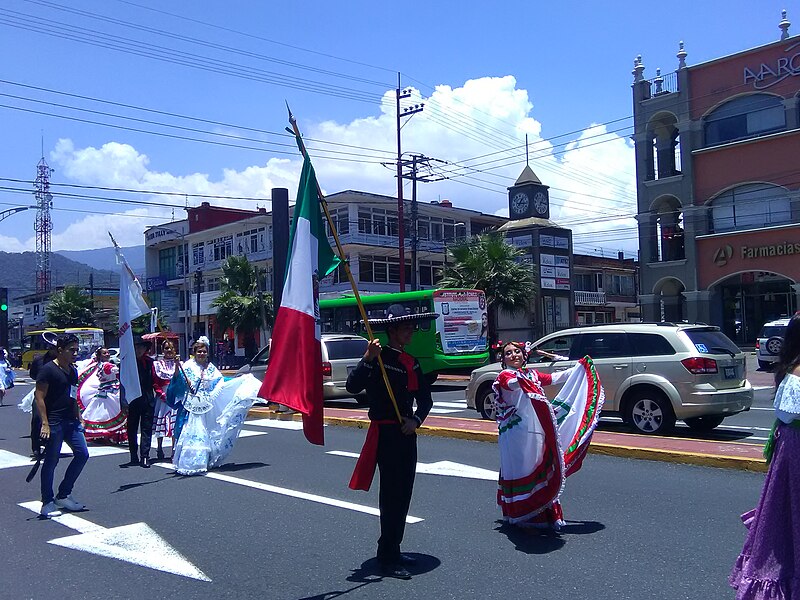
<point x="456" y="342"/>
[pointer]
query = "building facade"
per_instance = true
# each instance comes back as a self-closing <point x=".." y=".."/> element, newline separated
<point x="184" y="258"/>
<point x="718" y="187"/>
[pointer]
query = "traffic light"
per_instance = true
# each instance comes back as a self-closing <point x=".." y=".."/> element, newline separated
<point x="4" y="317"/>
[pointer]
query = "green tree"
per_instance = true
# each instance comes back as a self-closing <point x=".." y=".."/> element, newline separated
<point x="241" y="306"/>
<point x="70" y="307"/>
<point x="486" y="262"/>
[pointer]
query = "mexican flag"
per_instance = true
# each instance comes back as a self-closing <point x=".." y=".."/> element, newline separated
<point x="294" y="374"/>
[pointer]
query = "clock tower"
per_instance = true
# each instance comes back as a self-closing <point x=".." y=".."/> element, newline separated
<point x="528" y="197"/>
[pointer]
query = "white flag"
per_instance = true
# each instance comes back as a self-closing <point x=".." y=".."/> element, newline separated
<point x="131" y="305"/>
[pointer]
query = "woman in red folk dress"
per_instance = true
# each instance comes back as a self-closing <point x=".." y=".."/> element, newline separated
<point x="164" y="419"/>
<point x="541" y="442"/>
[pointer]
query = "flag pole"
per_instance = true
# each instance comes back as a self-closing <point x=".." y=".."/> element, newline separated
<point x="133" y="276"/>
<point x="345" y="264"/>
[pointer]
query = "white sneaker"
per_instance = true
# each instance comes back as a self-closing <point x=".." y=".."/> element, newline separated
<point x="69" y="503"/>
<point x="50" y="510"/>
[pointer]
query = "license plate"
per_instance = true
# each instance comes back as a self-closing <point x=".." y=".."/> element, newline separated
<point x="730" y="372"/>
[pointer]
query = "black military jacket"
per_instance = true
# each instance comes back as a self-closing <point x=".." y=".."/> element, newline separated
<point x="407" y="381"/>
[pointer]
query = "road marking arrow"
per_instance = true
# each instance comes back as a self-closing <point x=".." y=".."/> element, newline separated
<point x="443" y="467"/>
<point x="136" y="543"/>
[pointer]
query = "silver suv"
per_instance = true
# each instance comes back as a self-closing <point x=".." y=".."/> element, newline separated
<point x="653" y="373"/>
<point x="770" y="342"/>
<point x="340" y="355"/>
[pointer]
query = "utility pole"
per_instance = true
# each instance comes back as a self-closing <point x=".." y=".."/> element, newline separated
<point x="414" y="237"/>
<point x="401" y="242"/>
<point x="198" y="280"/>
<point x="417" y="161"/>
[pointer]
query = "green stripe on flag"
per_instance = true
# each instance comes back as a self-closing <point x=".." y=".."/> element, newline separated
<point x="308" y="207"/>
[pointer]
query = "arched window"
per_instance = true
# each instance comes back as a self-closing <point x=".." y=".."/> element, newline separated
<point x="751" y="206"/>
<point x="748" y="116"/>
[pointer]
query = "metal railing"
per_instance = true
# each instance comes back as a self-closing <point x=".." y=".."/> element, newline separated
<point x="590" y="298"/>
<point x="663" y="84"/>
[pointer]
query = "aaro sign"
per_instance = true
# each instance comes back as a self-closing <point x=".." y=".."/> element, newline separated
<point x="768" y="74"/>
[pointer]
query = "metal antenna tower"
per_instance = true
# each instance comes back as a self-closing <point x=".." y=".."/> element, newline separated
<point x="43" y="226"/>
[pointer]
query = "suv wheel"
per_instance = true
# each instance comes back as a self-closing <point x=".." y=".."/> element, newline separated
<point x="649" y="412"/>
<point x="706" y="423"/>
<point x="484" y="402"/>
<point x="774" y="345"/>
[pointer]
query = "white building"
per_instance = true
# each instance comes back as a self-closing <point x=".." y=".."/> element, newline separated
<point x="368" y="229"/>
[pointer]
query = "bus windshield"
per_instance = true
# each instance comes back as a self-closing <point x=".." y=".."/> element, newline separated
<point x="33" y="345"/>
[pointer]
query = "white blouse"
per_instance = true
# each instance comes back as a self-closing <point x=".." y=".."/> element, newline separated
<point x="787" y="399"/>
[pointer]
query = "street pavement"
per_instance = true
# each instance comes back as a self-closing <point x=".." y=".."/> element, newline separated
<point x="278" y="521"/>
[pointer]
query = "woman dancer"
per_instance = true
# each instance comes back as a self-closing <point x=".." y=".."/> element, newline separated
<point x="6" y="374"/>
<point x="98" y="399"/>
<point x="769" y="566"/>
<point x="541" y="443"/>
<point x="210" y="411"/>
<point x="164" y="420"/>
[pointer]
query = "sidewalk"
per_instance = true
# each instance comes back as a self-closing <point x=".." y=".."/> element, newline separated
<point x="729" y="455"/>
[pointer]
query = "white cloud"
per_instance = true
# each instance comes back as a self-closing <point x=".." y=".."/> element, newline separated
<point x="590" y="182"/>
<point x="12" y="244"/>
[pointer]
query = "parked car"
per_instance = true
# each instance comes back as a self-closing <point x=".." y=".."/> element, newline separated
<point x="770" y="342"/>
<point x="340" y="355"/>
<point x="653" y="373"/>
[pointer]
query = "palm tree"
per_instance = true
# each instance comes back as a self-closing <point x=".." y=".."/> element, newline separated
<point x="70" y="307"/>
<point x="241" y="306"/>
<point x="486" y="262"/>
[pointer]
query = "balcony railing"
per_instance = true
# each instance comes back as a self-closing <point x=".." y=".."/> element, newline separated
<point x="590" y="298"/>
<point x="663" y="84"/>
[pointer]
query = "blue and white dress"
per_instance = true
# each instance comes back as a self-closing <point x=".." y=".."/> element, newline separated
<point x="211" y="412"/>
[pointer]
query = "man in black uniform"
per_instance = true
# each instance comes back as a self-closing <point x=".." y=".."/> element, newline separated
<point x="141" y="410"/>
<point x="389" y="443"/>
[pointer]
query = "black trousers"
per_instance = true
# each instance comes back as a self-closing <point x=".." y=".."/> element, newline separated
<point x="397" y="463"/>
<point x="140" y="412"/>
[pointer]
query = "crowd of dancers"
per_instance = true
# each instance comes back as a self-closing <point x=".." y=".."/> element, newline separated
<point x="188" y="403"/>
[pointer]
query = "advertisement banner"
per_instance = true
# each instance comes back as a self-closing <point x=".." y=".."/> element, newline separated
<point x="547" y="259"/>
<point x="463" y="321"/>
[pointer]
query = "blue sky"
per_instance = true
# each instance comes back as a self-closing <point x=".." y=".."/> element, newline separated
<point x="542" y="68"/>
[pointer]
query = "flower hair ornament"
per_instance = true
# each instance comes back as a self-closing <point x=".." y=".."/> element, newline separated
<point x="522" y="347"/>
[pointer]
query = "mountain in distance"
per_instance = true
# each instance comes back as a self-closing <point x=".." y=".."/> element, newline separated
<point x="18" y="273"/>
<point x="105" y="258"/>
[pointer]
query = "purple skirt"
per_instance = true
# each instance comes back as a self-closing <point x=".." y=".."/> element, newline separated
<point x="769" y="566"/>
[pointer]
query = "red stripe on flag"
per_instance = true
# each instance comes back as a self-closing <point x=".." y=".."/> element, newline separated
<point x="294" y="372"/>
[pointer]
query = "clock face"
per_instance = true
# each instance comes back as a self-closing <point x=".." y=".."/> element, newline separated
<point x="540" y="203"/>
<point x="519" y="203"/>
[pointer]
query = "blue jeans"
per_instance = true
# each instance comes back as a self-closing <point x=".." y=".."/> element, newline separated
<point x="71" y="432"/>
